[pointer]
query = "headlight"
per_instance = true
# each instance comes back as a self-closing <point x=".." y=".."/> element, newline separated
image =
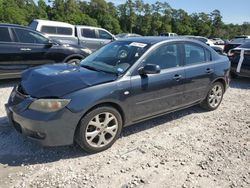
<point x="86" y="50"/>
<point x="49" y="105"/>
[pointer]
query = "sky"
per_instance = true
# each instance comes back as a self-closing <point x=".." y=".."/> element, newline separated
<point x="232" y="11"/>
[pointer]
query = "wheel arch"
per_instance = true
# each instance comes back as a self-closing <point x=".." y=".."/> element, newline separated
<point x="221" y="80"/>
<point x="73" y="56"/>
<point x="109" y="104"/>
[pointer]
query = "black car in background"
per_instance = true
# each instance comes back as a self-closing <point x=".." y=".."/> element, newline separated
<point x="124" y="82"/>
<point x="22" y="48"/>
<point x="237" y="41"/>
<point x="240" y="60"/>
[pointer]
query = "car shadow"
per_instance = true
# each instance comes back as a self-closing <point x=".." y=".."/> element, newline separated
<point x="240" y="83"/>
<point x="15" y="150"/>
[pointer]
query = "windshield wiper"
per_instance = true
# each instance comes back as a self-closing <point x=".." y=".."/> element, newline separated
<point x="91" y="68"/>
<point x="98" y="70"/>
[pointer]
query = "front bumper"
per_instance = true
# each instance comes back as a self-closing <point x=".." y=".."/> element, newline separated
<point x="47" y="129"/>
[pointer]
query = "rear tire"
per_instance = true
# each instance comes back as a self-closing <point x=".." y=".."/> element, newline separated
<point x="74" y="61"/>
<point x="99" y="129"/>
<point x="214" y="97"/>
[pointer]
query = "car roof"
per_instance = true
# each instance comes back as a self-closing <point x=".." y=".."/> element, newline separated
<point x="156" y="39"/>
<point x="12" y="25"/>
<point x="53" y="23"/>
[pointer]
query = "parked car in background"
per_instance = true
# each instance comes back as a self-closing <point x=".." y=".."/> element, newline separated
<point x="168" y="34"/>
<point x="125" y="82"/>
<point x="88" y="37"/>
<point x="126" y="35"/>
<point x="240" y="60"/>
<point x="218" y="41"/>
<point x="237" y="41"/>
<point x="22" y="48"/>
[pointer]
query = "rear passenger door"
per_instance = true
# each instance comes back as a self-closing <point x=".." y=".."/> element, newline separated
<point x="199" y="72"/>
<point x="9" y="54"/>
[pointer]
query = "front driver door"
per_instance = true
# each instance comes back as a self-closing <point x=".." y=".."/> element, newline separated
<point x="32" y="47"/>
<point x="158" y="93"/>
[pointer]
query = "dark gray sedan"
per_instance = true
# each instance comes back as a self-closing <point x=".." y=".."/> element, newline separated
<point x="123" y="83"/>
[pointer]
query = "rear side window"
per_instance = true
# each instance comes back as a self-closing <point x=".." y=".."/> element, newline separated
<point x="104" y="35"/>
<point x="88" y="33"/>
<point x="26" y="36"/>
<point x="4" y="35"/>
<point x="57" y="30"/>
<point x="194" y="54"/>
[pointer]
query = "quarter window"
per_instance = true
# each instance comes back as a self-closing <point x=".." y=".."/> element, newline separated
<point x="194" y="54"/>
<point x="4" y="35"/>
<point x="26" y="36"/>
<point x="88" y="33"/>
<point x="166" y="56"/>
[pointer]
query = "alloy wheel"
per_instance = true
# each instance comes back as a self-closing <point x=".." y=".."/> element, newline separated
<point x="101" y="129"/>
<point x="215" y="96"/>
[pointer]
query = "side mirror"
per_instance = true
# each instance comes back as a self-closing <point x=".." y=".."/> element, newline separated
<point x="149" y="69"/>
<point x="49" y="44"/>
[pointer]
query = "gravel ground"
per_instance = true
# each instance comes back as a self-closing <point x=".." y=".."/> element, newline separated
<point x="189" y="148"/>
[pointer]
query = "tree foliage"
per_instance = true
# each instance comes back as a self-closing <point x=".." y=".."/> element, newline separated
<point x="132" y="16"/>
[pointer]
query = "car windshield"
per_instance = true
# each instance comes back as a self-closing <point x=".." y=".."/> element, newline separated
<point x="240" y="40"/>
<point x="245" y="45"/>
<point x="116" y="57"/>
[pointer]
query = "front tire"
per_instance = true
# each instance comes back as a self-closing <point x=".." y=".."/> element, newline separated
<point x="214" y="97"/>
<point x="99" y="129"/>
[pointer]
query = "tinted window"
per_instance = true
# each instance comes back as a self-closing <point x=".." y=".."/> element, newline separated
<point x="88" y="33"/>
<point x="245" y="45"/>
<point x="56" y="30"/>
<point x="26" y="36"/>
<point x="48" y="29"/>
<point x="208" y="55"/>
<point x="64" y="31"/>
<point x="33" y="25"/>
<point x="4" y="35"/>
<point x="194" y="54"/>
<point x="104" y="35"/>
<point x="240" y="40"/>
<point x="166" y="56"/>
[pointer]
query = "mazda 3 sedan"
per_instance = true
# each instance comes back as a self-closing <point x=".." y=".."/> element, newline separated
<point x="124" y="82"/>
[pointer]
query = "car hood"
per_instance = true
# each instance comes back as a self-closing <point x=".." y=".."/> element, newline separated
<point x="60" y="79"/>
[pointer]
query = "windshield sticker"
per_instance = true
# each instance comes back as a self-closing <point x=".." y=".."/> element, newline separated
<point x="120" y="70"/>
<point x="138" y="44"/>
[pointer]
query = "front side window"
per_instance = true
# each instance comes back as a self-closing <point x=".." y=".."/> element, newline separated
<point x="104" y="35"/>
<point x="48" y="29"/>
<point x="166" y="56"/>
<point x="26" y="36"/>
<point x="88" y="33"/>
<point x="194" y="54"/>
<point x="116" y="57"/>
<point x="4" y="35"/>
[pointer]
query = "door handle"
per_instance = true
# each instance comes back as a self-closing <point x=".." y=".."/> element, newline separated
<point x="177" y="77"/>
<point x="209" y="71"/>
<point x="25" y="49"/>
<point x="101" y="42"/>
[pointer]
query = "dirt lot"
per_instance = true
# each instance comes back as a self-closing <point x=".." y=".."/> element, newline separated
<point x="189" y="148"/>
